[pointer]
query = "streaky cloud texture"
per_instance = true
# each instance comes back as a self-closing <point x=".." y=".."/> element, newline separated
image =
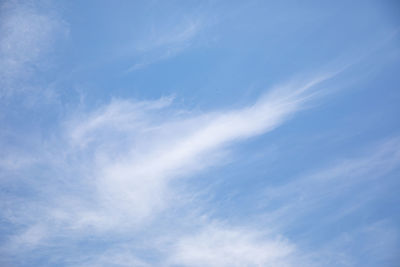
<point x="27" y="34"/>
<point x="122" y="157"/>
<point x="208" y="133"/>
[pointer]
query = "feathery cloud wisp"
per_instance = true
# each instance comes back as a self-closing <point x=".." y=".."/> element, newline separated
<point x="116" y="165"/>
<point x="26" y="35"/>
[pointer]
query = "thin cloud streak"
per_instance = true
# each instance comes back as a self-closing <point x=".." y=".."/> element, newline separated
<point x="166" y="44"/>
<point x="312" y="192"/>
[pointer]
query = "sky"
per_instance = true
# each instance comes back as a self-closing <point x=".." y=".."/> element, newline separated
<point x="199" y="133"/>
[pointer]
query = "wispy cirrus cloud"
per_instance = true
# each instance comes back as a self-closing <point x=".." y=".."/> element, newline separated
<point x="165" y="43"/>
<point x="340" y="192"/>
<point x="126" y="184"/>
<point x="27" y="34"/>
<point x="226" y="246"/>
<point x="111" y="170"/>
<point x="159" y="149"/>
<point x="327" y="194"/>
<point x="317" y="190"/>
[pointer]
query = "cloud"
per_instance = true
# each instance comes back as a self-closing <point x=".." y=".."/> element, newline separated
<point x="111" y="175"/>
<point x="137" y="149"/>
<point x="116" y="257"/>
<point x="371" y="245"/>
<point x="166" y="43"/>
<point x="320" y="202"/>
<point x="110" y="172"/>
<point x="31" y="237"/>
<point x="336" y="183"/>
<point x="326" y="194"/>
<point x="225" y="246"/>
<point x="26" y="36"/>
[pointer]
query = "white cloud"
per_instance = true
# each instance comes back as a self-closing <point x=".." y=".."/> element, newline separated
<point x="166" y="42"/>
<point x="174" y="35"/>
<point x="299" y="197"/>
<point x="112" y="170"/>
<point x="29" y="238"/>
<point x="371" y="245"/>
<point x="116" y="257"/>
<point x="322" y="200"/>
<point x="219" y="245"/>
<point x="26" y="36"/>
<point x="138" y="148"/>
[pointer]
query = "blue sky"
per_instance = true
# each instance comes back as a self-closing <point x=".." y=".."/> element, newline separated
<point x="199" y="133"/>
